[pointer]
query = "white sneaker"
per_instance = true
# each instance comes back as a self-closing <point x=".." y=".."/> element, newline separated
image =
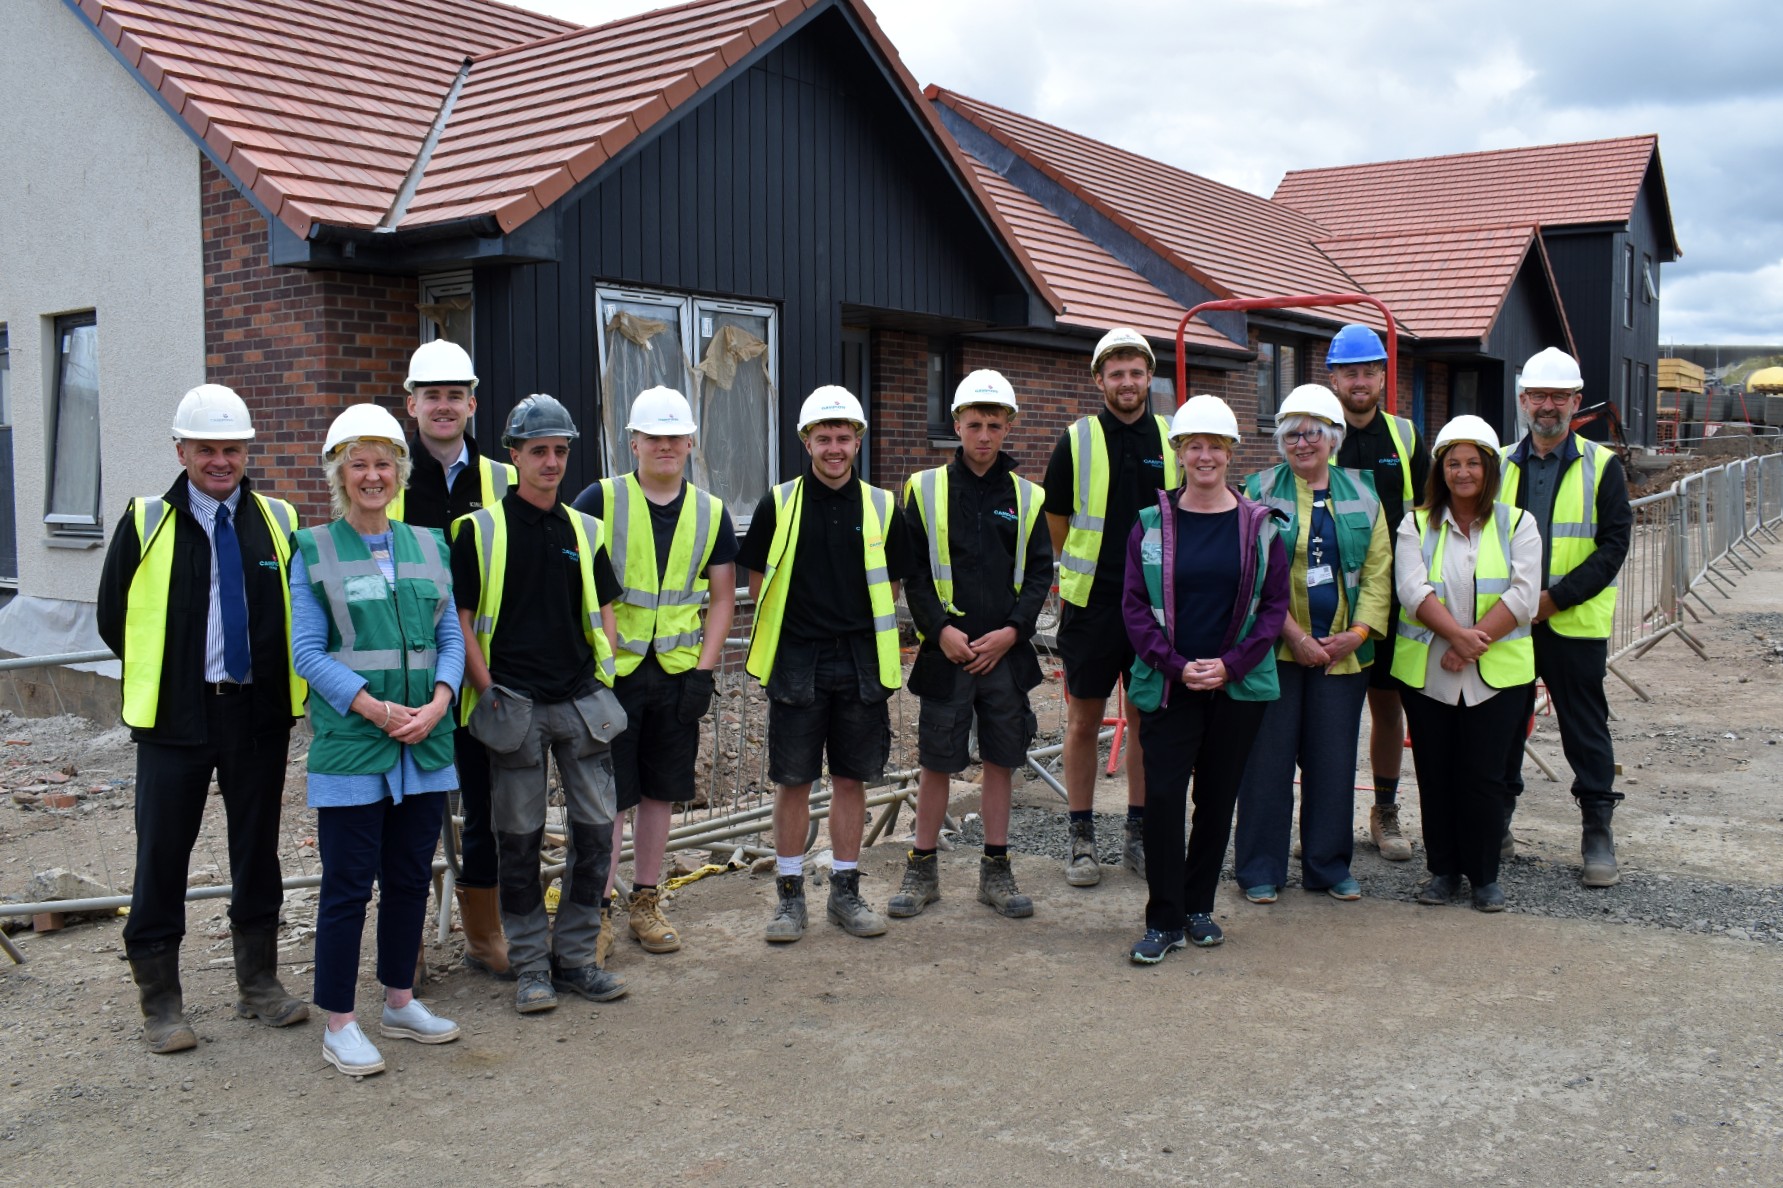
<point x="349" y="1051"/>
<point x="416" y="1022"/>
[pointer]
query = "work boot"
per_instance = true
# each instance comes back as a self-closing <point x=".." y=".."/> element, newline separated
<point x="256" y="976"/>
<point x="922" y="886"/>
<point x="1507" y="848"/>
<point x="164" y="1026"/>
<point x="648" y="925"/>
<point x="485" y="948"/>
<point x="1133" y="847"/>
<point x="847" y="909"/>
<point x="788" y="924"/>
<point x="996" y="886"/>
<point x="603" y="941"/>
<point x="1384" y="832"/>
<point x="1083" y="869"/>
<point x="1597" y="845"/>
<point x="533" y="992"/>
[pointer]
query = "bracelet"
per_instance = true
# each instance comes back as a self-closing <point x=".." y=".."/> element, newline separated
<point x="1361" y="631"/>
<point x="386" y="716"/>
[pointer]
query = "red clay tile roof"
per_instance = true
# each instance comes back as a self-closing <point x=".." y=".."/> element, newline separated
<point x="1227" y="239"/>
<point x="1592" y="181"/>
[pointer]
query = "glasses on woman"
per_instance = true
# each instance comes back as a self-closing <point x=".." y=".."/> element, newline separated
<point x="1310" y="436"/>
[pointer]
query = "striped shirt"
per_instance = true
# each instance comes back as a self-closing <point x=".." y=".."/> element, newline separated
<point x="204" y="510"/>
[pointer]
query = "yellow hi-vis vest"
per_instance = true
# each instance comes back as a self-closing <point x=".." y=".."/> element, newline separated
<point x="1510" y="661"/>
<point x="664" y="616"/>
<point x="1402" y="432"/>
<point x="928" y="490"/>
<point x="1574" y="537"/>
<point x="1089" y="508"/>
<point x="877" y="508"/>
<point x="498" y="479"/>
<point x="145" y="615"/>
<point x="489" y="529"/>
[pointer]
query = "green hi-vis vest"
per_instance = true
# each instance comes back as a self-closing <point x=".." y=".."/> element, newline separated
<point x="489" y="529"/>
<point x="384" y="635"/>
<point x="498" y="479"/>
<point x="145" y="616"/>
<point x="1510" y="661"/>
<point x="1353" y="507"/>
<point x="1145" y="684"/>
<point x="1574" y="537"/>
<point x="928" y="490"/>
<point x="876" y="514"/>
<point x="1402" y="433"/>
<point x="1089" y="478"/>
<point x="664" y="616"/>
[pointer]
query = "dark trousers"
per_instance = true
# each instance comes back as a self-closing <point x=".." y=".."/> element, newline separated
<point x="393" y="844"/>
<point x="1313" y="724"/>
<point x="1574" y="671"/>
<point x="1208" y="735"/>
<point x="172" y="783"/>
<point x="476" y="838"/>
<point x="1458" y="751"/>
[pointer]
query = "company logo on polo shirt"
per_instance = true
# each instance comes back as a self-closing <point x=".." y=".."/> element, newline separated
<point x="1158" y="462"/>
<point x="269" y="564"/>
<point x="1005" y="513"/>
<point x="573" y="555"/>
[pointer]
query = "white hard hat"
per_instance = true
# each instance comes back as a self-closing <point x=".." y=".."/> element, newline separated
<point x="1551" y="370"/>
<point x="661" y="412"/>
<point x="211" y="412"/>
<point x="1121" y="339"/>
<point x="364" y="422"/>
<point x="831" y="403"/>
<point x="1466" y="428"/>
<point x="1204" y="414"/>
<point x="985" y="387"/>
<point x="439" y="362"/>
<point x="1312" y="400"/>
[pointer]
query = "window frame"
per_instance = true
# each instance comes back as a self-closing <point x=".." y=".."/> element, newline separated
<point x="66" y="523"/>
<point x="1628" y="285"/>
<point x="940" y="368"/>
<point x="433" y="287"/>
<point x="1275" y="345"/>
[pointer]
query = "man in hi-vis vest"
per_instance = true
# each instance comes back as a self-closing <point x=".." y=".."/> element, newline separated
<point x="194" y="601"/>
<point x="1103" y="470"/>
<point x="674" y="551"/>
<point x="1577" y="493"/>
<point x="452" y="478"/>
<point x="988" y="567"/>
<point x="825" y="553"/>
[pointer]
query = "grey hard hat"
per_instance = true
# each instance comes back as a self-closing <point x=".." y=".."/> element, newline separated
<point x="538" y="415"/>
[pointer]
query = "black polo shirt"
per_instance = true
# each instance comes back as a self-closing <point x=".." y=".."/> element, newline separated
<point x="538" y="648"/>
<point x="1370" y="450"/>
<point x="828" y="597"/>
<point x="664" y="519"/>
<point x="1135" y="473"/>
<point x="427" y="503"/>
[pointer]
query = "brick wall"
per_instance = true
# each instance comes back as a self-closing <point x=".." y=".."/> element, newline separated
<point x="297" y="345"/>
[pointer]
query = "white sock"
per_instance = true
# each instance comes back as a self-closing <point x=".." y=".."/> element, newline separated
<point x="789" y="867"/>
<point x="841" y="867"/>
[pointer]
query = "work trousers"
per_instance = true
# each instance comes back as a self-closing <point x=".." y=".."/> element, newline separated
<point x="517" y="797"/>
<point x="1458" y="752"/>
<point x="476" y="838"/>
<point x="1574" y="671"/>
<point x="393" y="844"/>
<point x="1207" y="735"/>
<point x="1313" y="724"/>
<point x="172" y="784"/>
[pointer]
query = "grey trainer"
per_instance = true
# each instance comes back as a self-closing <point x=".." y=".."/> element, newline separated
<point x="922" y="886"/>
<point x="1082" y="869"/>
<point x="847" y="909"/>
<point x="789" y="920"/>
<point x="1133" y="847"/>
<point x="996" y="886"/>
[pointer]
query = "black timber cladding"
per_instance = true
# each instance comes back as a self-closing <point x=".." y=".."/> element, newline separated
<point x="802" y="182"/>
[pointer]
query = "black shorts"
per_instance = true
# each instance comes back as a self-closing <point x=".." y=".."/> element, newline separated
<point x="1005" y="723"/>
<point x="656" y="754"/>
<point x="1094" y="647"/>
<point x="855" y="733"/>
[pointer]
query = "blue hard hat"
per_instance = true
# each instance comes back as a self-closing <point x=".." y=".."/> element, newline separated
<point x="1355" y="343"/>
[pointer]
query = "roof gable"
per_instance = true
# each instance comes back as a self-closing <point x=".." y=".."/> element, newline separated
<point x="1444" y="283"/>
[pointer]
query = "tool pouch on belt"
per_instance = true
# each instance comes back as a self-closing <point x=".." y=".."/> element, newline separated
<point x="794" y="679"/>
<point x="600" y="711"/>
<point x="501" y="719"/>
<point x="696" y="696"/>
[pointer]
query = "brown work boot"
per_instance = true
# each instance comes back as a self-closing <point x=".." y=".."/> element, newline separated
<point x="921" y="886"/>
<point x="164" y="1026"/>
<point x="263" y="996"/>
<point x="648" y="925"/>
<point x="996" y="887"/>
<point x="1383" y="831"/>
<point x="485" y="948"/>
<point x="603" y="941"/>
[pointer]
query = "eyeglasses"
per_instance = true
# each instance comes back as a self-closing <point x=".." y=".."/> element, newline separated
<point x="1309" y="436"/>
<point x="1555" y="398"/>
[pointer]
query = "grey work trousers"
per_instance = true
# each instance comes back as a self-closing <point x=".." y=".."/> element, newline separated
<point x="517" y="802"/>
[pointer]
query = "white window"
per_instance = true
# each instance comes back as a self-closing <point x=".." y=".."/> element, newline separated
<point x="448" y="303"/>
<point x="73" y="504"/>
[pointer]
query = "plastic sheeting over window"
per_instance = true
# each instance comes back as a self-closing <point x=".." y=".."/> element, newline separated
<point x="735" y="409"/>
<point x="642" y="349"/>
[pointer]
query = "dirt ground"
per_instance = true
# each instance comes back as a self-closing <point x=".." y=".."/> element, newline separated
<point x="1376" y="1042"/>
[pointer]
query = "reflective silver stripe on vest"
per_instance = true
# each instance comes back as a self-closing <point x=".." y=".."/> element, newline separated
<point x="1414" y="632"/>
<point x="1588" y="484"/>
<point x="333" y="573"/>
<point x="688" y="639"/>
<point x="154" y="509"/>
<point x="1025" y="494"/>
<point x="1287" y="507"/>
<point x="939" y="567"/>
<point x="683" y="593"/>
<point x="279" y="513"/>
<point x="618" y="514"/>
<point x="498" y="479"/>
<point x="1081" y="519"/>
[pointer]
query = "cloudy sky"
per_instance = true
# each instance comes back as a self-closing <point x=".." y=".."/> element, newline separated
<point x="1244" y="90"/>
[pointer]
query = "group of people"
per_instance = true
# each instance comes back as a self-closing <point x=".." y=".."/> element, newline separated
<point x="1247" y="625"/>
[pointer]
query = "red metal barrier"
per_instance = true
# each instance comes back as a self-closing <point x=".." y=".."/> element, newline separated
<point x="1307" y="301"/>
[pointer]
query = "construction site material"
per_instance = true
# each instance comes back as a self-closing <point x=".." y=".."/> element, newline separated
<point x="1680" y="375"/>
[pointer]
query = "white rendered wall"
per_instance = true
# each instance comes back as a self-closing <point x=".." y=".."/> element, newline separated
<point x="99" y="210"/>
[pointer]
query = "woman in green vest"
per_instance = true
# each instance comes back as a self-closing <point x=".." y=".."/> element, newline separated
<point x="1205" y="590"/>
<point x="1469" y="574"/>
<point x="371" y="632"/>
<point x="1340" y="581"/>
